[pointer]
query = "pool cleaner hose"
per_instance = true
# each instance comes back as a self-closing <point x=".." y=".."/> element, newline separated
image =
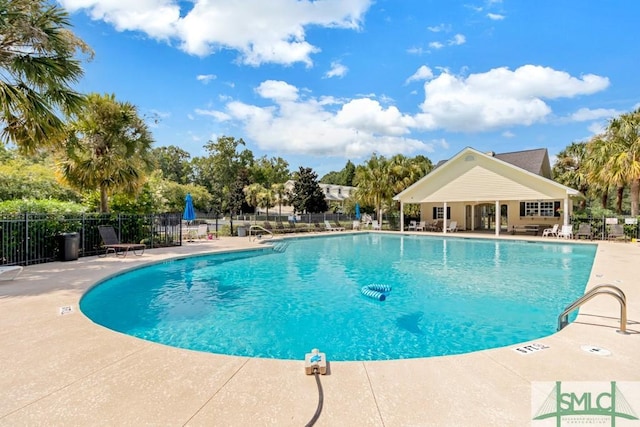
<point x="320" y="399"/>
<point x="316" y="363"/>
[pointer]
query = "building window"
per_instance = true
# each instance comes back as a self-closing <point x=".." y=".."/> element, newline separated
<point x="544" y="209"/>
<point x="438" y="212"/>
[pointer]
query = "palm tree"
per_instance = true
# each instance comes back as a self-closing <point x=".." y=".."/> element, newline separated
<point x="596" y="167"/>
<point x="375" y="184"/>
<point x="280" y="194"/>
<point x="569" y="169"/>
<point x="107" y="148"/>
<point x="38" y="63"/>
<point x="252" y="194"/>
<point x="624" y="136"/>
<point x="266" y="199"/>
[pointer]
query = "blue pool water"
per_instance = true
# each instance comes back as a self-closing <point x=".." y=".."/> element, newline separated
<point x="449" y="296"/>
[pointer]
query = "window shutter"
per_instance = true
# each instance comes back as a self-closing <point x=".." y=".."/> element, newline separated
<point x="556" y="207"/>
<point x="521" y="208"/>
<point x="435" y="213"/>
<point x="448" y="212"/>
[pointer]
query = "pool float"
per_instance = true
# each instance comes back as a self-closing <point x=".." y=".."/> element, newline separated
<point x="376" y="291"/>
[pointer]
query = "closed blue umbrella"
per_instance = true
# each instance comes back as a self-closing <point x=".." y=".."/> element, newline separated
<point x="189" y="213"/>
<point x="357" y="210"/>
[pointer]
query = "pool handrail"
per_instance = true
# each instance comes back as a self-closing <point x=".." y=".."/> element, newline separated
<point x="259" y="228"/>
<point x="603" y="289"/>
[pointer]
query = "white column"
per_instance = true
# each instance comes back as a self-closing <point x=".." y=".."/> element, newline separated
<point x="401" y="215"/>
<point x="444" y="218"/>
<point x="566" y="210"/>
<point x="473" y="217"/>
<point x="498" y="217"/>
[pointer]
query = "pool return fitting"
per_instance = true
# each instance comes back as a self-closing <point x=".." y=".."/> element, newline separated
<point x="315" y="363"/>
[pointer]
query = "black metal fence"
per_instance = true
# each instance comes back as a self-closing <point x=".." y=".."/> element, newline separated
<point x="600" y="225"/>
<point x="27" y="239"/>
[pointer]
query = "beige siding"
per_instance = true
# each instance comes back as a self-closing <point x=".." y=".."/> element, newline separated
<point x="476" y="178"/>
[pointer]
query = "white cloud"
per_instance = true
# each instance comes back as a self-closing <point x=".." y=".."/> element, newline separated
<point x="596" y="128"/>
<point x="295" y="122"/>
<point x="495" y="16"/>
<point x="439" y="28"/>
<point x="457" y="40"/>
<point x="436" y="45"/>
<point x="416" y="51"/>
<point x="260" y="31"/>
<point x="337" y="70"/>
<point x="508" y="134"/>
<point x="499" y="97"/>
<point x="205" y="78"/>
<point x="322" y="126"/>
<point x="423" y="73"/>
<point x="587" y="114"/>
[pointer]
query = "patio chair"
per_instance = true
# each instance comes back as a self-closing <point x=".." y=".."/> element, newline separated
<point x="453" y="226"/>
<point x="584" y="230"/>
<point x="615" y="231"/>
<point x="553" y="231"/>
<point x="375" y="224"/>
<point x="355" y="225"/>
<point x="330" y="227"/>
<point x="112" y="243"/>
<point x="412" y="226"/>
<point x="421" y="226"/>
<point x="203" y="231"/>
<point x="432" y="226"/>
<point x="566" y="232"/>
<point x="10" y="272"/>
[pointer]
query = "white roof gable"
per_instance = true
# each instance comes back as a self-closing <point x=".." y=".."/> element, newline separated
<point x="475" y="176"/>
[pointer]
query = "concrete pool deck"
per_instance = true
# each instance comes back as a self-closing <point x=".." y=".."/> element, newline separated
<point x="66" y="370"/>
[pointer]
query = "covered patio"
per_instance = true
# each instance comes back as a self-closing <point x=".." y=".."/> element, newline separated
<point x="481" y="191"/>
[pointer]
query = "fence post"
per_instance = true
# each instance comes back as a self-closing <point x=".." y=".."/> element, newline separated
<point x="26" y="239"/>
<point x="83" y="233"/>
<point x="153" y="227"/>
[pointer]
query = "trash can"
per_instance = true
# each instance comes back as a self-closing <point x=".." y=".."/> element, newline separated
<point x="242" y="231"/>
<point x="69" y="246"/>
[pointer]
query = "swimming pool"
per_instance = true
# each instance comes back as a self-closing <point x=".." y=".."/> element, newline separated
<point x="449" y="296"/>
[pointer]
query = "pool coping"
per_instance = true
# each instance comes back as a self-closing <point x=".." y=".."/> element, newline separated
<point x="64" y="369"/>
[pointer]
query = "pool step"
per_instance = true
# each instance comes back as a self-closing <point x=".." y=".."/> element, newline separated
<point x="280" y="246"/>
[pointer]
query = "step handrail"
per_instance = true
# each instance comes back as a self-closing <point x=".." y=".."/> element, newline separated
<point x="603" y="289"/>
<point x="260" y="228"/>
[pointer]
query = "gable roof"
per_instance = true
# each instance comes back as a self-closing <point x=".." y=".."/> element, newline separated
<point x="474" y="176"/>
<point x="535" y="161"/>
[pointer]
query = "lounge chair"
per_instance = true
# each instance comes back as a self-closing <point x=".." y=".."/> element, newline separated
<point x="566" y="232"/>
<point x="553" y="231"/>
<point x="584" y="230"/>
<point x="412" y="226"/>
<point x="10" y="272"/>
<point x="421" y="226"/>
<point x="453" y="226"/>
<point x="330" y="227"/>
<point x="112" y="243"/>
<point x="375" y="225"/>
<point x="203" y="231"/>
<point x="355" y="225"/>
<point x="615" y="231"/>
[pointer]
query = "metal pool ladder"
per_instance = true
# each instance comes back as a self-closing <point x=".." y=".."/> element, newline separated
<point x="604" y="289"/>
<point x="258" y="228"/>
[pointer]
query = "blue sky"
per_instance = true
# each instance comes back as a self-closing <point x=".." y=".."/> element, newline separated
<point x="322" y="82"/>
